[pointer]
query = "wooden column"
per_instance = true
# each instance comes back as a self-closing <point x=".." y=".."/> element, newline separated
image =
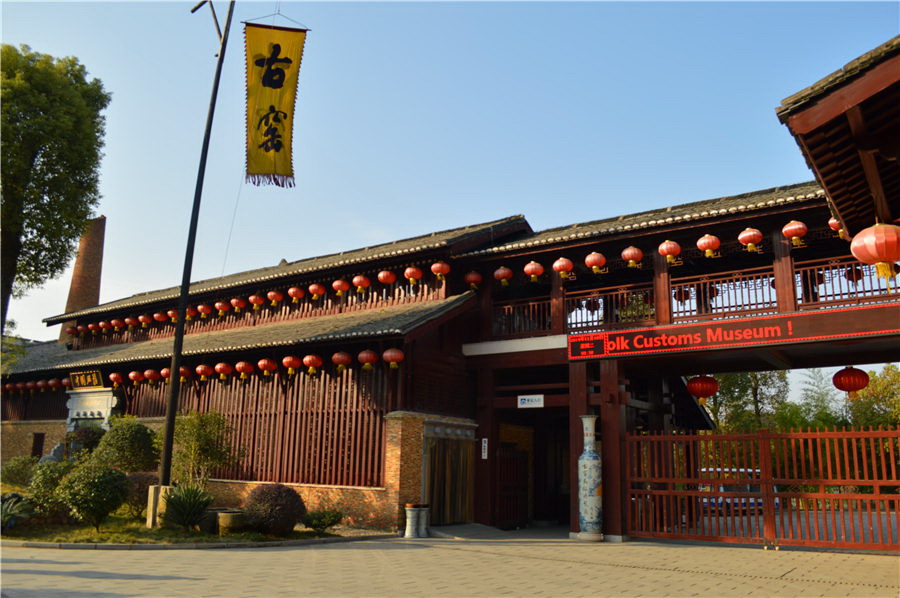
<point x="785" y="292"/>
<point x="486" y="309"/>
<point x="578" y="406"/>
<point x="662" y="290"/>
<point x="612" y="435"/>
<point x="488" y="428"/>
<point x="557" y="304"/>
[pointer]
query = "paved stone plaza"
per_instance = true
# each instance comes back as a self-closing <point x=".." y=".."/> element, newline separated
<point x="478" y="562"/>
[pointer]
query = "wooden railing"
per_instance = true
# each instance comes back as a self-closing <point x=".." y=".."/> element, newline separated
<point x="521" y="317"/>
<point x="819" y="284"/>
<point x="725" y="296"/>
<point x="630" y="305"/>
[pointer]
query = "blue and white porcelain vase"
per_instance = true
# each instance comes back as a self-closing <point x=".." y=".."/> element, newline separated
<point x="590" y="495"/>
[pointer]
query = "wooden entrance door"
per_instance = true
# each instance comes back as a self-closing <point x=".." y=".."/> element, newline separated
<point x="512" y="486"/>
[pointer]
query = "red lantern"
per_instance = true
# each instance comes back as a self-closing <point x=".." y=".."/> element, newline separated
<point x="750" y="238"/>
<point x="312" y="362"/>
<point x="41" y="385"/>
<point x="341" y="359"/>
<point x="393" y="357"/>
<point x="223" y="306"/>
<point x="204" y="371"/>
<point x="53" y="383"/>
<point x="595" y="261"/>
<point x="245" y="368"/>
<point x="165" y="373"/>
<point x="131" y="322"/>
<point x="368" y="358"/>
<point x="204" y="310"/>
<point x="296" y="294"/>
<point x="473" y="279"/>
<point x="161" y="316"/>
<point x="702" y="387"/>
<point x="834" y="224"/>
<point x="66" y="383"/>
<point x="151" y="376"/>
<point x="190" y="312"/>
<point x="794" y="230"/>
<point x="136" y="376"/>
<point x="563" y="265"/>
<point x="387" y="277"/>
<point x="361" y="283"/>
<point x="850" y="380"/>
<point x="223" y="370"/>
<point x="504" y="275"/>
<point x="116" y="379"/>
<point x="853" y="274"/>
<point x="238" y="303"/>
<point x="105" y="326"/>
<point x="878" y="245"/>
<point x="20" y="386"/>
<point x="440" y="269"/>
<point x="708" y="244"/>
<point x="275" y="297"/>
<point x="669" y="250"/>
<point x="267" y="366"/>
<point x="340" y="286"/>
<point x="184" y="373"/>
<point x="534" y="270"/>
<point x="316" y="290"/>
<point x="633" y="256"/>
<point x="292" y="363"/>
<point x="93" y="328"/>
<point x="173" y="315"/>
<point x="71" y="330"/>
<point x="9" y="387"/>
<point x="117" y="324"/>
<point x="30" y="386"/>
<point x="81" y="329"/>
<point x="256" y="300"/>
<point x="145" y="320"/>
<point x="412" y="274"/>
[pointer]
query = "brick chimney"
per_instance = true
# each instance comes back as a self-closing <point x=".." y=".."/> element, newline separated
<point x="84" y="291"/>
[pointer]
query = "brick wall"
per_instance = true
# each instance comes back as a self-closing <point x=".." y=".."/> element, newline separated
<point x="17" y="436"/>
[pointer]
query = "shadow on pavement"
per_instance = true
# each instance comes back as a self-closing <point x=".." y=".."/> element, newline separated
<point x="99" y="575"/>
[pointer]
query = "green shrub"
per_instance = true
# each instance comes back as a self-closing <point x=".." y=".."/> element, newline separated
<point x="14" y="510"/>
<point x="42" y="490"/>
<point x="18" y="471"/>
<point x="129" y="446"/>
<point x="203" y="443"/>
<point x="319" y="521"/>
<point x="93" y="491"/>
<point x="138" y="488"/>
<point x="186" y="505"/>
<point x="85" y="438"/>
<point x="274" y="509"/>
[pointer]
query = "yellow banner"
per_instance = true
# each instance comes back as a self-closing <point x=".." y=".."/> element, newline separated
<point x="273" y="66"/>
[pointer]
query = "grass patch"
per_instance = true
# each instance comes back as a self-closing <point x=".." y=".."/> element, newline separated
<point x="120" y="529"/>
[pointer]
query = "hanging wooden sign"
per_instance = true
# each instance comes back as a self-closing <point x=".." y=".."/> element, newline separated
<point x="273" y="64"/>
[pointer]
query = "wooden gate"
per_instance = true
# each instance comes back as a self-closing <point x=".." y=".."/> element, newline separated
<point x="836" y="488"/>
<point x="512" y="485"/>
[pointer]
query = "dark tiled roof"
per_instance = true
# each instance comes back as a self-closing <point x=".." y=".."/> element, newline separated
<point x="391" y="321"/>
<point x="850" y="71"/>
<point x="700" y="210"/>
<point x="405" y="247"/>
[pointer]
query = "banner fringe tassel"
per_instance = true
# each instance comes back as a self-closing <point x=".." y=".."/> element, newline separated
<point x="279" y="180"/>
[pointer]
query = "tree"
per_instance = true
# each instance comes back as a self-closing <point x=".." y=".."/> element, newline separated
<point x="203" y="443"/>
<point x="52" y="136"/>
<point x="879" y="402"/>
<point x="818" y="407"/>
<point x="748" y="400"/>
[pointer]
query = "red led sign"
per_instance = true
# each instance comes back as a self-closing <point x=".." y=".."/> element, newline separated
<point x="766" y="330"/>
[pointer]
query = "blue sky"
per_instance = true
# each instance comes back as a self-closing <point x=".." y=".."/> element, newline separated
<point x="414" y="117"/>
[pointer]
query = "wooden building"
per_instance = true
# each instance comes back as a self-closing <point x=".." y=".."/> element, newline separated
<point x="453" y="368"/>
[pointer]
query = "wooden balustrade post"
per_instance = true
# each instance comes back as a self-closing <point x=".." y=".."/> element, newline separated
<point x="662" y="290"/>
<point x="785" y="292"/>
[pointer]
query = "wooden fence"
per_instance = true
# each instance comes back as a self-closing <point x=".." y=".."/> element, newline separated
<point x="837" y="488"/>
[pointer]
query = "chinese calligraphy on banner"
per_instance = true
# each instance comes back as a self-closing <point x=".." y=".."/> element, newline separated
<point x="273" y="65"/>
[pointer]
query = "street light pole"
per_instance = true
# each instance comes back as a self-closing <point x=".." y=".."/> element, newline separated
<point x="165" y="465"/>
